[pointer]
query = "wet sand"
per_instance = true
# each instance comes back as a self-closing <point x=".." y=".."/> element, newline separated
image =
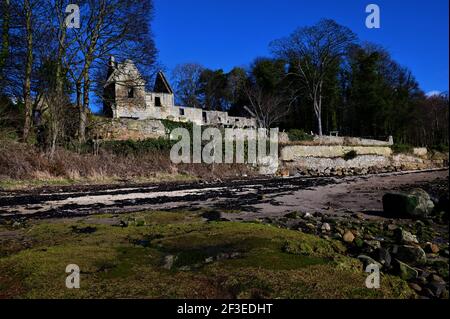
<point x="252" y="198"/>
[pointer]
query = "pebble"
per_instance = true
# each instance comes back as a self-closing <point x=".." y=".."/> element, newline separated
<point x="375" y="244"/>
<point x="392" y="227"/>
<point x="436" y="278"/>
<point x="168" y="262"/>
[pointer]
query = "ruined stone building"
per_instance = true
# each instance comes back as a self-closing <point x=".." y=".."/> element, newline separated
<point x="125" y="97"/>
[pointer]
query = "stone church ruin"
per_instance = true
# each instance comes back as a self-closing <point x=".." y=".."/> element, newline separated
<point x="125" y="97"/>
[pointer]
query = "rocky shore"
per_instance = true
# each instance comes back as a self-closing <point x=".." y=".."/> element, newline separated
<point x="410" y="240"/>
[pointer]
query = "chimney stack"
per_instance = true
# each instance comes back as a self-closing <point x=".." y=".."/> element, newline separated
<point x="112" y="61"/>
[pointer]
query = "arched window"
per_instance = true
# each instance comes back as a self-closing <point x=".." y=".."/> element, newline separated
<point x="131" y="92"/>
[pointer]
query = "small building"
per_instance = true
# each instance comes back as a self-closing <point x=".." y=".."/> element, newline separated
<point x="125" y="97"/>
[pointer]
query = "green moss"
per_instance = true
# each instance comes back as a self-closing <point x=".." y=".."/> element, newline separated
<point x="245" y="260"/>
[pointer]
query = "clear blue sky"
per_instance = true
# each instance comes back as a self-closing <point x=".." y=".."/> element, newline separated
<point x="228" y="33"/>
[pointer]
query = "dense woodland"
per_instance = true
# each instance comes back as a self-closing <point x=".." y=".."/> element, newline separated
<point x="319" y="79"/>
<point x="323" y="72"/>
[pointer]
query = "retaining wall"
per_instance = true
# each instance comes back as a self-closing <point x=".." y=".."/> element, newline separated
<point x="330" y="160"/>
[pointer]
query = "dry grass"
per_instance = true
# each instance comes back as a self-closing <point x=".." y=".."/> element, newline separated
<point x="20" y="162"/>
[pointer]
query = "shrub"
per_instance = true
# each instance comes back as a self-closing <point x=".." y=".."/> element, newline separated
<point x="350" y="155"/>
<point x="137" y="147"/>
<point x="402" y="149"/>
<point x="299" y="135"/>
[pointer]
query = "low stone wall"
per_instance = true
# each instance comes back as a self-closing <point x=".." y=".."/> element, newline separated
<point x="351" y="141"/>
<point x="329" y="161"/>
<point x="335" y="141"/>
<point x="124" y="129"/>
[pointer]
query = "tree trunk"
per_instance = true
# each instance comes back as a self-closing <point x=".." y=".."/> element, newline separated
<point x="318" y="113"/>
<point x="83" y="108"/>
<point x="4" y="53"/>
<point x="28" y="70"/>
<point x="79" y="95"/>
<point x="61" y="49"/>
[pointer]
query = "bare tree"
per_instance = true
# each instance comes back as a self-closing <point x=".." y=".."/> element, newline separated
<point x="25" y="38"/>
<point x="28" y="9"/>
<point x="5" y="12"/>
<point x="266" y="108"/>
<point x="311" y="52"/>
<point x="186" y="79"/>
<point x="56" y="104"/>
<point x="109" y="27"/>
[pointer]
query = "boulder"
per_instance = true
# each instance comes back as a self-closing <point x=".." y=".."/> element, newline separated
<point x="405" y="237"/>
<point x="437" y="288"/>
<point x="366" y="260"/>
<point x="349" y="237"/>
<point x="384" y="257"/>
<point x="406" y="272"/>
<point x="414" y="204"/>
<point x="413" y="254"/>
<point x="326" y="227"/>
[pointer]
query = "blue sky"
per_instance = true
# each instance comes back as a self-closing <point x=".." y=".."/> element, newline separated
<point x="228" y="33"/>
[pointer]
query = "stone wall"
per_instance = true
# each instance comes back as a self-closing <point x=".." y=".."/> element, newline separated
<point x="295" y="152"/>
<point x="336" y="141"/>
<point x="126" y="129"/>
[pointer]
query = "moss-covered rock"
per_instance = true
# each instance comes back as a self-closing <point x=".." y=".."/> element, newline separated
<point x="415" y="204"/>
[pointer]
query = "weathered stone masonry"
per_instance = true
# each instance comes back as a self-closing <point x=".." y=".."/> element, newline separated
<point x="126" y="98"/>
